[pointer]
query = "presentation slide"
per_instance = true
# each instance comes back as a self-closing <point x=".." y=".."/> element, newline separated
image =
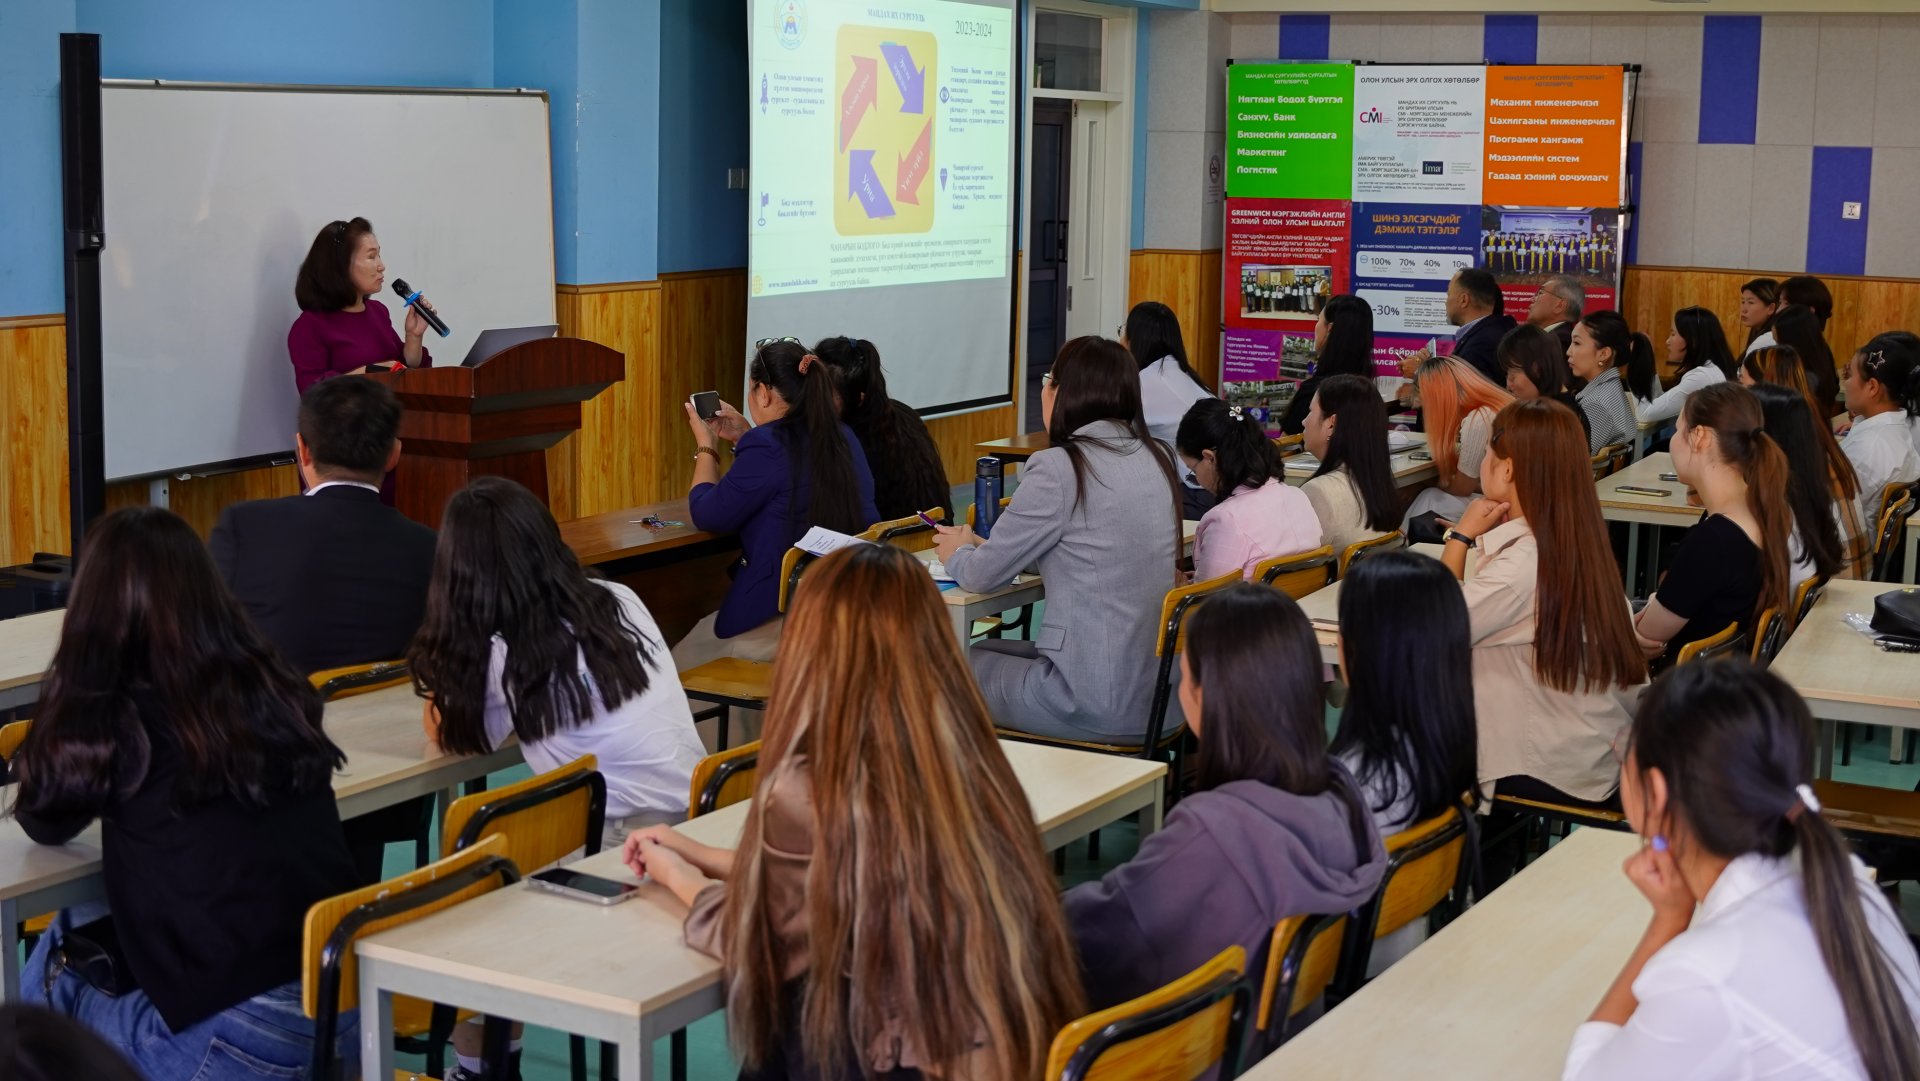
<point x="882" y="186"/>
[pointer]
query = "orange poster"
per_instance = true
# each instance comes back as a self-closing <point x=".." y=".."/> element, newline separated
<point x="1554" y="136"/>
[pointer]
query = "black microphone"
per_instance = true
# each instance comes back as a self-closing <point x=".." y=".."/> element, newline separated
<point x="413" y="297"/>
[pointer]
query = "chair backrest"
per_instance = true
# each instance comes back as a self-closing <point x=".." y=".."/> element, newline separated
<point x="359" y="679"/>
<point x="792" y="566"/>
<point x="1004" y="500"/>
<point x="909" y="533"/>
<point x="1804" y="596"/>
<point x="721" y="780"/>
<point x="1301" y="573"/>
<point x="1361" y="550"/>
<point x="1302" y="960"/>
<point x="1716" y="646"/>
<point x="542" y="818"/>
<point x="329" y="973"/>
<point x="1175" y="1033"/>
<point x="1174" y="609"/>
<point x="1427" y="865"/>
<point x="1768" y="632"/>
<point x="1896" y="507"/>
<point x="11" y="737"/>
<point x="1610" y="459"/>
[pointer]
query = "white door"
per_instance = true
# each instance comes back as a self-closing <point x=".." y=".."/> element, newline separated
<point x="1087" y="260"/>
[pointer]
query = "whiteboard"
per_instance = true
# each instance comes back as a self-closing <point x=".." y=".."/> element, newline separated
<point x="213" y="195"/>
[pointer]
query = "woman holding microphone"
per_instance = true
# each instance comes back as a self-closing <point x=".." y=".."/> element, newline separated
<point x="342" y="330"/>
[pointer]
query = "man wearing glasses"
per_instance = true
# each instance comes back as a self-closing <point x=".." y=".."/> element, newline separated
<point x="1557" y="306"/>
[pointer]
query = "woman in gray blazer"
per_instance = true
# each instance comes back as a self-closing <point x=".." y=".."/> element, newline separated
<point x="1099" y="514"/>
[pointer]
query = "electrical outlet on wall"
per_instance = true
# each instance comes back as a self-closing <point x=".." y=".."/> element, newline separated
<point x="737" y="180"/>
<point x="1850" y="211"/>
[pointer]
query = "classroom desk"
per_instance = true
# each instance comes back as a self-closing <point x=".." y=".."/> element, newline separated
<point x="1014" y="448"/>
<point x="1408" y="471"/>
<point x="618" y="536"/>
<point x="1842" y="674"/>
<point x="623" y="974"/>
<point x="26" y="652"/>
<point x="1638" y="510"/>
<point x="388" y="761"/>
<point x="1499" y="991"/>
<point x="1322" y="606"/>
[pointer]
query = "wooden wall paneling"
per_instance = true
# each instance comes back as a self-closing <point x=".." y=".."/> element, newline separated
<point x="33" y="440"/>
<point x="1189" y="283"/>
<point x="563" y="458"/>
<point x="614" y="458"/>
<point x="956" y="436"/>
<point x="703" y="346"/>
<point x="201" y="499"/>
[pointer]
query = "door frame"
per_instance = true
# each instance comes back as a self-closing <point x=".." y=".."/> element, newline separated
<point x="1117" y="56"/>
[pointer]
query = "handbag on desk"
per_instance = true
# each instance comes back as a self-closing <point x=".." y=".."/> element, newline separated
<point x="1898" y="613"/>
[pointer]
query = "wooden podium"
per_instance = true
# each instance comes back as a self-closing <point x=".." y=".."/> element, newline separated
<point x="497" y="419"/>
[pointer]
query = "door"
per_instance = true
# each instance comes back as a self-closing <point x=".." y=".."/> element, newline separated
<point x="1051" y="167"/>
<point x="1085" y="270"/>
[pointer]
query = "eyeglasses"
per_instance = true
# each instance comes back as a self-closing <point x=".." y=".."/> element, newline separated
<point x="764" y="342"/>
<point x="1047" y="380"/>
<point x="1120" y="331"/>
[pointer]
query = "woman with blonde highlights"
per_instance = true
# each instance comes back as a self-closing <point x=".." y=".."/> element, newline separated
<point x="1459" y="404"/>
<point x="889" y="912"/>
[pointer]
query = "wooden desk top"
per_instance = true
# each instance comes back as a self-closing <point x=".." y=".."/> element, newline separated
<point x="631" y="959"/>
<point x="1498" y="992"/>
<point x="1619" y="506"/>
<point x="1829" y="662"/>
<point x="27" y="644"/>
<point x="380" y="733"/>
<point x="1016" y="448"/>
<point x="603" y="538"/>
<point x="1407" y="470"/>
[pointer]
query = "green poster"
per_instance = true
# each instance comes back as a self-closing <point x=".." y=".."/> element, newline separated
<point x="1290" y="131"/>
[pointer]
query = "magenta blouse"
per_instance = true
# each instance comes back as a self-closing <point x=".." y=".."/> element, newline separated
<point x="325" y="344"/>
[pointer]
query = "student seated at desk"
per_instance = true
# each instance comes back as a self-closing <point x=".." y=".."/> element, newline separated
<point x="1342" y="345"/>
<point x="1802" y="329"/>
<point x="1734" y="564"/>
<point x="1168" y="384"/>
<point x="170" y="718"/>
<point x="1459" y="404"/>
<point x="801" y="467"/>
<point x="1099" y="513"/>
<point x="889" y="911"/>
<point x="519" y="641"/>
<point x="1277" y="827"/>
<point x="1815" y="543"/>
<point x="1697" y="347"/>
<point x="1602" y="348"/>
<point x="1352" y="493"/>
<point x="1406" y="732"/>
<point x="1781" y="364"/>
<point x="1536" y="365"/>
<point x="1883" y="391"/>
<point x="1256" y="514"/>
<point x="1555" y="668"/>
<point x="907" y="474"/>
<point x="1759" y="300"/>
<point x="1771" y="951"/>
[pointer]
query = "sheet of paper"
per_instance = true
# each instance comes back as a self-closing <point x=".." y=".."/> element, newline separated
<point x="820" y="541"/>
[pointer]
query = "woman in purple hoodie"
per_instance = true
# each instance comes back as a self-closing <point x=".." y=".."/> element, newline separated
<point x="1277" y="827"/>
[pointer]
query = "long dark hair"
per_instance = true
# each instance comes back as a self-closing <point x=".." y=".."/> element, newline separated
<point x="325" y="281"/>
<point x="811" y="434"/>
<point x="1263" y="711"/>
<point x="1349" y="348"/>
<point x="1243" y="456"/>
<point x="1811" y="293"/>
<point x="1095" y="379"/>
<point x="1735" y="744"/>
<point x="1739" y="429"/>
<point x="38" y="1044"/>
<point x="1153" y="334"/>
<point x="1809" y="475"/>
<point x="1706" y="341"/>
<point x="1408" y="652"/>
<point x="1766" y="291"/>
<point x="1632" y="350"/>
<point x="502" y="570"/>
<point x="1781" y="364"/>
<point x="1800" y="328"/>
<point x="149" y="623"/>
<point x="907" y="473"/>
<point x="1359" y="445"/>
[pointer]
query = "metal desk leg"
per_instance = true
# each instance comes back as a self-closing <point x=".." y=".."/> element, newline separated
<point x="636" y="1060"/>
<point x="1633" y="557"/>
<point x="10" y="941"/>
<point x="376" y="1024"/>
<point x="1823" y="769"/>
<point x="1911" y="575"/>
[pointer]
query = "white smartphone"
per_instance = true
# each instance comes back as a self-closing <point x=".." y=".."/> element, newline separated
<point x="583" y="887"/>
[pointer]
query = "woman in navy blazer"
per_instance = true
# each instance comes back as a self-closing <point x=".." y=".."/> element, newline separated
<point x="798" y="469"/>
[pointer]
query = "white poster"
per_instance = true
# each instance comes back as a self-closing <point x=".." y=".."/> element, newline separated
<point x="1418" y="133"/>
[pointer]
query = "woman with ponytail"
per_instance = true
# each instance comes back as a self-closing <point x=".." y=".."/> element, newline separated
<point x="907" y="473"/>
<point x="796" y="467"/>
<point x="1771" y="953"/>
<point x="1256" y="515"/>
<point x="1883" y="391"/>
<point x="1817" y="548"/>
<point x="1734" y="564"/>
<point x="1781" y="364"/>
<point x="1615" y="361"/>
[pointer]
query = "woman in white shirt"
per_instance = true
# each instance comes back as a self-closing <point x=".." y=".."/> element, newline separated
<point x="1771" y="953"/>
<point x="1882" y="386"/>
<point x="1168" y="384"/>
<point x="1352" y="492"/>
<point x="1759" y="299"/>
<point x="519" y="641"/>
<point x="1697" y="345"/>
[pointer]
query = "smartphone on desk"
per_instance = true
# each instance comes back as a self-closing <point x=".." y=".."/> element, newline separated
<point x="706" y="404"/>
<point x="1670" y="477"/>
<point x="1635" y="489"/>
<point x="583" y="887"/>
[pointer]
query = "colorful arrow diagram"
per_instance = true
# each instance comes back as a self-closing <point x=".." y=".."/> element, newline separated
<point x="861" y="94"/>
<point x="865" y="183"/>
<point x="912" y="81"/>
<point x="913" y="167"/>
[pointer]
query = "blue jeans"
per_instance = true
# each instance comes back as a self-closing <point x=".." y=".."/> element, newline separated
<point x="265" y="1038"/>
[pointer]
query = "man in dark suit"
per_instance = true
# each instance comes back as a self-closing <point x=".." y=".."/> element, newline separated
<point x="1474" y="304"/>
<point x="335" y="577"/>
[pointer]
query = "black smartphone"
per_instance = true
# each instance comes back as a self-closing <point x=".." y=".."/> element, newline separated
<point x="706" y="403"/>
<point x="583" y="887"/>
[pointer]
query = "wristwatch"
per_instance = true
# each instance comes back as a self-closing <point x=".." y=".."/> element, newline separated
<point x="698" y="451"/>
<point x="1456" y="535"/>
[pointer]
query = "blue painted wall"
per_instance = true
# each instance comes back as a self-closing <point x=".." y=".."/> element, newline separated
<point x="703" y="75"/>
<point x="620" y="139"/>
<point x="537" y="43"/>
<point x="30" y="255"/>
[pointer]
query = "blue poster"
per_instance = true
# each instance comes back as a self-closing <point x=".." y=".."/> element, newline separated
<point x="1404" y="254"/>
